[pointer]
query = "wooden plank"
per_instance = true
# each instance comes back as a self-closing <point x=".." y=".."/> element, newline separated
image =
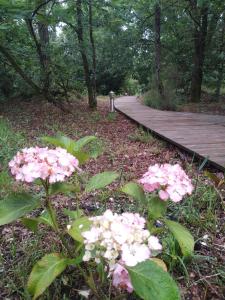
<point x="202" y="134"/>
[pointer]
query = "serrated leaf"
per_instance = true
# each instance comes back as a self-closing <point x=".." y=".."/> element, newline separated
<point x="77" y="227"/>
<point x="135" y="190"/>
<point x="183" y="236"/>
<point x="44" y="273"/>
<point x="101" y="180"/>
<point x="16" y="206"/>
<point x="150" y="282"/>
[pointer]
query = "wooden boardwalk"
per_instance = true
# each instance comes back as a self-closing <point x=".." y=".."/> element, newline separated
<point x="201" y="134"/>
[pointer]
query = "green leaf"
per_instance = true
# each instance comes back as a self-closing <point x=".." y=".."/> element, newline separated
<point x="77" y="227"/>
<point x="81" y="156"/>
<point x="156" y="207"/>
<point x="73" y="214"/>
<point x="44" y="273"/>
<point x="183" y="236"/>
<point x="31" y="224"/>
<point x="60" y="141"/>
<point x="70" y="145"/>
<point x="62" y="187"/>
<point x="101" y="180"/>
<point x="17" y="205"/>
<point x="83" y="142"/>
<point x="46" y="219"/>
<point x="135" y="190"/>
<point x="151" y="282"/>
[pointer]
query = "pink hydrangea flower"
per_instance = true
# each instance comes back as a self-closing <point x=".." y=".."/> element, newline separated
<point x="121" y="278"/>
<point x="44" y="163"/>
<point x="170" y="181"/>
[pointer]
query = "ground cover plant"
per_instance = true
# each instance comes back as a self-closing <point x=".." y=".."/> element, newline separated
<point x="201" y="212"/>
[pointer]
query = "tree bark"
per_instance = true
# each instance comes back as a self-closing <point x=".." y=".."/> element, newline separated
<point x="159" y="83"/>
<point x="200" y="34"/>
<point x="221" y="61"/>
<point x="92" y="47"/>
<point x="44" y="49"/>
<point x="91" y="99"/>
<point x="18" y="69"/>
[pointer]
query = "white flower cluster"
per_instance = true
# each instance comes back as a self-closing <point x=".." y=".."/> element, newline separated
<point x="119" y="237"/>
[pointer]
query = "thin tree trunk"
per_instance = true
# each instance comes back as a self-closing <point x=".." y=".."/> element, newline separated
<point x="221" y="63"/>
<point x="93" y="48"/>
<point x="44" y="46"/>
<point x="79" y="31"/>
<point x="200" y="35"/>
<point x="159" y="83"/>
<point x="18" y="69"/>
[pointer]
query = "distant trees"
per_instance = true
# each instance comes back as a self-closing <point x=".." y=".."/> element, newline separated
<point x="175" y="48"/>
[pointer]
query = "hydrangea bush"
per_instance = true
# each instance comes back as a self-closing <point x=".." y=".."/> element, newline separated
<point x="122" y="246"/>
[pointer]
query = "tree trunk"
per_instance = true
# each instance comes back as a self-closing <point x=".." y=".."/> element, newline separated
<point x="91" y="98"/>
<point x="221" y="61"/>
<point x="93" y="48"/>
<point x="200" y="35"/>
<point x="18" y="69"/>
<point x="44" y="47"/>
<point x="159" y="83"/>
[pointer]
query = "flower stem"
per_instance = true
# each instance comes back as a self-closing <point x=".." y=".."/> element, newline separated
<point x="52" y="214"/>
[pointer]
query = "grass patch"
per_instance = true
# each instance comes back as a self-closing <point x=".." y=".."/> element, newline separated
<point x="10" y="143"/>
<point x="142" y="136"/>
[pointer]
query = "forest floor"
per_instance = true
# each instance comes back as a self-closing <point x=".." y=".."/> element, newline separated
<point x="130" y="150"/>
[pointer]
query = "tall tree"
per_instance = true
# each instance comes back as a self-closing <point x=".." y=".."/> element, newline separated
<point x="87" y="71"/>
<point x="43" y="32"/>
<point x="221" y="59"/>
<point x="90" y="11"/>
<point x="159" y="83"/>
<point x="199" y="17"/>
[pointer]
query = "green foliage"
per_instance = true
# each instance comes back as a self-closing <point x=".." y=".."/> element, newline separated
<point x="151" y="282"/>
<point x="17" y="205"/>
<point x="44" y="273"/>
<point x="77" y="227"/>
<point x="142" y="136"/>
<point x="131" y="86"/>
<point x="30" y="223"/>
<point x="156" y="207"/>
<point x="73" y="214"/>
<point x="154" y="100"/>
<point x="10" y="142"/>
<point x="64" y="188"/>
<point x="46" y="219"/>
<point x="136" y="191"/>
<point x="183" y="236"/>
<point x="76" y="148"/>
<point x="101" y="180"/>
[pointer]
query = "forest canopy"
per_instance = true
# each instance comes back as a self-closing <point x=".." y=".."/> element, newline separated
<point x="168" y="49"/>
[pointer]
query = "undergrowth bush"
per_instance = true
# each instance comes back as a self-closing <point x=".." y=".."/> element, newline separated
<point x="153" y="99"/>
